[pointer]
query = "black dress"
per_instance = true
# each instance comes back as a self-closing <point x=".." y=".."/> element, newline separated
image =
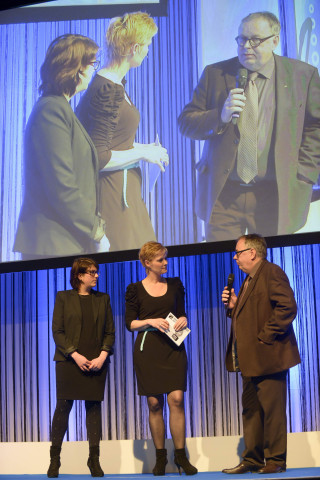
<point x="112" y="123"/>
<point x="73" y="383"/>
<point x="161" y="366"/>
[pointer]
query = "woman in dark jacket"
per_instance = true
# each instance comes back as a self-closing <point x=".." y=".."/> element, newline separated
<point x="83" y="331"/>
<point x="59" y="214"/>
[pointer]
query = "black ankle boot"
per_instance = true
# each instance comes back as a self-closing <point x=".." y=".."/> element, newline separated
<point x="93" y="462"/>
<point x="180" y="459"/>
<point x="161" y="462"/>
<point x="53" y="470"/>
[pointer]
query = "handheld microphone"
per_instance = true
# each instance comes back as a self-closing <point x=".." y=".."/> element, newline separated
<point x="241" y="81"/>
<point x="229" y="286"/>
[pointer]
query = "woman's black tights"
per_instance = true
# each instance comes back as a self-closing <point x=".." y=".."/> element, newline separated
<point x="61" y="418"/>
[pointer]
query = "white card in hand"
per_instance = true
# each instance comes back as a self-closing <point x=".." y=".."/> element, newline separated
<point x="176" y="337"/>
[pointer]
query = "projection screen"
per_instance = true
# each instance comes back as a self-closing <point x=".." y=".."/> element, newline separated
<point x="160" y="88"/>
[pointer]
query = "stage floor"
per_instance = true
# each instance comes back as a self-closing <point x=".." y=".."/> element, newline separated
<point x="291" y="473"/>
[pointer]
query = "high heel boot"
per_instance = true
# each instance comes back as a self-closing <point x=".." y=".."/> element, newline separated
<point x="181" y="461"/>
<point x="53" y="470"/>
<point x="161" y="462"/>
<point x="93" y="462"/>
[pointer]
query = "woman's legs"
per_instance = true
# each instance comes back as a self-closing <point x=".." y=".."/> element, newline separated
<point x="93" y="422"/>
<point x="94" y="429"/>
<point x="58" y="430"/>
<point x="177" y="420"/>
<point x="177" y="423"/>
<point x="156" y="423"/>
<point x="60" y="421"/>
<point x="155" y="404"/>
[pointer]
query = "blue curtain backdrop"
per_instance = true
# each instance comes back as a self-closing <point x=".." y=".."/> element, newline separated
<point x="159" y="88"/>
<point x="27" y="377"/>
<point x="213" y="402"/>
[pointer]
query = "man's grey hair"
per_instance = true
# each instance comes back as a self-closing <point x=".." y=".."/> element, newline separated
<point x="268" y="16"/>
<point x="253" y="240"/>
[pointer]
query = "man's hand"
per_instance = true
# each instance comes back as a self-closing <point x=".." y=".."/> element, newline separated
<point x="234" y="103"/>
<point x="225" y="297"/>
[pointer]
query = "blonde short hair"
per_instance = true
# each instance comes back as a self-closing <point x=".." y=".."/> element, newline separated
<point x="123" y="32"/>
<point x="150" y="250"/>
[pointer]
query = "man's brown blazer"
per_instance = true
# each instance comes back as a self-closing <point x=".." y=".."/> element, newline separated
<point x="265" y="314"/>
<point x="295" y="145"/>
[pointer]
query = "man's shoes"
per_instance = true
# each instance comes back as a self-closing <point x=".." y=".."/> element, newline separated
<point x="242" y="468"/>
<point x="272" y="468"/>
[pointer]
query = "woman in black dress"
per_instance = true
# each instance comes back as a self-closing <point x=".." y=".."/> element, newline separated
<point x="83" y="331"/>
<point x="160" y="365"/>
<point x="112" y="120"/>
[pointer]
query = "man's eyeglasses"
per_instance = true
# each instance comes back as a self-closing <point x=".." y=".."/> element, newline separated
<point x="254" y="41"/>
<point x="238" y="252"/>
<point x="95" y="64"/>
<point x="93" y="273"/>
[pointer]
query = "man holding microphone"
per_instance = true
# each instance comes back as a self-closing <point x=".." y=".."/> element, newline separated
<point x="262" y="346"/>
<point x="259" y="115"/>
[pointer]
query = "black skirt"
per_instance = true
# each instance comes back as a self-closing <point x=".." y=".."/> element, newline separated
<point x="161" y="367"/>
<point x="74" y="384"/>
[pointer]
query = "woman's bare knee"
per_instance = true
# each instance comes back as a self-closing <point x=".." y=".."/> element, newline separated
<point x="155" y="404"/>
<point x="176" y="399"/>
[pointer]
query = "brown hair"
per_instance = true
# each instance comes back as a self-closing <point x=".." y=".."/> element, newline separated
<point x="66" y="57"/>
<point x="150" y="250"/>
<point x="123" y="32"/>
<point x="80" y="265"/>
<point x="253" y="240"/>
<point x="268" y="16"/>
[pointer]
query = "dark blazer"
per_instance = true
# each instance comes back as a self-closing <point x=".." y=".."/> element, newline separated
<point x="67" y="318"/>
<point x="265" y="313"/>
<point x="296" y="137"/>
<point x="59" y="211"/>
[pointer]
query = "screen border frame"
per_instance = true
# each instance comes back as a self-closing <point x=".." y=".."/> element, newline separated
<point x="204" y="248"/>
<point x="160" y="9"/>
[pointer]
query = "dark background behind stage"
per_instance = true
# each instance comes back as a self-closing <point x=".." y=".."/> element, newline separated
<point x="184" y="44"/>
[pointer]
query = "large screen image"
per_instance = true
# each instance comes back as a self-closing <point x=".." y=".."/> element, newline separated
<point x="158" y="130"/>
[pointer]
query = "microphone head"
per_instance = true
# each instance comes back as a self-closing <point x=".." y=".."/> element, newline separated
<point x="230" y="280"/>
<point x="242" y="77"/>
